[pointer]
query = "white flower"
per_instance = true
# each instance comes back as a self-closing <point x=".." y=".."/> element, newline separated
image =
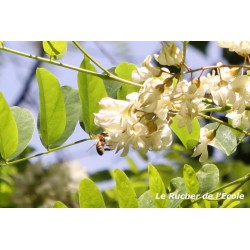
<point x="227" y="74"/>
<point x="186" y="114"/>
<point x="238" y="119"/>
<point x="146" y="71"/>
<point x="239" y="93"/>
<point x="113" y="115"/>
<point x="140" y="122"/>
<point x="246" y="119"/>
<point x="240" y="47"/>
<point x="207" y="137"/>
<point x="170" y="55"/>
<point x="218" y="85"/>
<point x="162" y="138"/>
<point x="191" y="103"/>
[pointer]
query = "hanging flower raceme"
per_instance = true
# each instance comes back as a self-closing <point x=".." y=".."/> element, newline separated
<point x="142" y="120"/>
<point x="136" y="121"/>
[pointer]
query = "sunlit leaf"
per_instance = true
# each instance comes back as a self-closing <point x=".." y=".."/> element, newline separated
<point x="125" y="192"/>
<point x="73" y="109"/>
<point x="124" y="70"/>
<point x="225" y="139"/>
<point x="146" y="200"/>
<point x="8" y="130"/>
<point x="178" y="188"/>
<point x="59" y="204"/>
<point x="89" y="195"/>
<point x="25" y="125"/>
<point x="231" y="202"/>
<point x="132" y="165"/>
<point x="55" y="49"/>
<point x="208" y="177"/>
<point x="157" y="188"/>
<point x="52" y="120"/>
<point x="191" y="180"/>
<point x="91" y="91"/>
<point x="189" y="140"/>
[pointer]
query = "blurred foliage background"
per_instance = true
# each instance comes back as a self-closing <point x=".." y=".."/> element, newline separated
<point x="39" y="183"/>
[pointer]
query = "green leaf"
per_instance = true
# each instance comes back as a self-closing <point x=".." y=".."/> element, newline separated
<point x="191" y="180"/>
<point x="125" y="192"/>
<point x="230" y="202"/>
<point x="208" y="177"/>
<point x="8" y="130"/>
<point x="59" y="204"/>
<point x="1" y="44"/>
<point x="89" y="195"/>
<point x="91" y="91"/>
<point x="157" y="188"/>
<point x="225" y="139"/>
<point x="189" y="140"/>
<point x="112" y="86"/>
<point x="73" y="108"/>
<point x="132" y="165"/>
<point x="55" y="49"/>
<point x="124" y="70"/>
<point x="233" y="204"/>
<point x="146" y="200"/>
<point x="25" y="125"/>
<point x="52" y="116"/>
<point x="179" y="187"/>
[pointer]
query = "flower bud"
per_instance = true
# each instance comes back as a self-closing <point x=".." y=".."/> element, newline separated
<point x="211" y="134"/>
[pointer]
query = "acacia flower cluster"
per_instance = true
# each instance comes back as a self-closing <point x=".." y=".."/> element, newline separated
<point x="241" y="47"/>
<point x="143" y="119"/>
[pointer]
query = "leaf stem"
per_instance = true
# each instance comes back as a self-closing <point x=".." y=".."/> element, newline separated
<point x="91" y="58"/>
<point x="46" y="152"/>
<point x="241" y="180"/>
<point x="217" y="109"/>
<point x="216" y="67"/>
<point x="208" y="117"/>
<point x="184" y="59"/>
<point x="50" y="61"/>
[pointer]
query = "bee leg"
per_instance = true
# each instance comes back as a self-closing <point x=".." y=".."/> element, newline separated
<point x="107" y="149"/>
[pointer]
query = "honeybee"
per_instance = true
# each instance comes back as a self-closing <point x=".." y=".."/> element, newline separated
<point x="100" y="143"/>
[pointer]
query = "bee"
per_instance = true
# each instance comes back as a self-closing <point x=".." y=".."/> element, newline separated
<point x="100" y="143"/>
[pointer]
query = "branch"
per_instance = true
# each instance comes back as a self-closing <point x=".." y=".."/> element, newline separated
<point x="217" y="67"/>
<point x="91" y="58"/>
<point x="44" y="153"/>
<point x="50" y="61"/>
<point x="241" y="180"/>
<point x="208" y="117"/>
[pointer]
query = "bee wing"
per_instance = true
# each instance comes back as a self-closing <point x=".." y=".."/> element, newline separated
<point x="91" y="147"/>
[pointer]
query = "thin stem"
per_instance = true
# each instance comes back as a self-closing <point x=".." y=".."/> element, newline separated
<point x="223" y="123"/>
<point x="47" y="152"/>
<point x="183" y="66"/>
<point x="50" y="61"/>
<point x="218" y="109"/>
<point x="217" y="67"/>
<point x="91" y="58"/>
<point x="241" y="180"/>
